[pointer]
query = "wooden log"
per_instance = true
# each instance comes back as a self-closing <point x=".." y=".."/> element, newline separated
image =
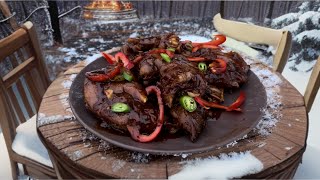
<point x="279" y="152"/>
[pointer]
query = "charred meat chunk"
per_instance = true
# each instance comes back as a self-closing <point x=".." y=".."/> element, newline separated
<point x="99" y="98"/>
<point x="235" y="75"/>
<point x="180" y="77"/>
<point x="191" y="122"/>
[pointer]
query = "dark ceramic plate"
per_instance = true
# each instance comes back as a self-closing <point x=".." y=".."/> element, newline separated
<point x="229" y="127"/>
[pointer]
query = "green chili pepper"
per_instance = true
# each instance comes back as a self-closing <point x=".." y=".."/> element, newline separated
<point x="118" y="78"/>
<point x="120" y="107"/>
<point x="188" y="103"/>
<point x="202" y="66"/>
<point x="165" y="57"/>
<point x="171" y="49"/>
<point x="127" y="76"/>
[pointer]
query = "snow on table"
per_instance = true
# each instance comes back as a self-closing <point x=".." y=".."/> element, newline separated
<point x="225" y="166"/>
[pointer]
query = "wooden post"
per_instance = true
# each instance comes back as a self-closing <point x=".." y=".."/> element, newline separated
<point x="7" y="13"/>
<point x="53" y="10"/>
<point x="222" y="8"/>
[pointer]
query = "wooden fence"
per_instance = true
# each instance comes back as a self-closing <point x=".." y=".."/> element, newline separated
<point x="258" y="11"/>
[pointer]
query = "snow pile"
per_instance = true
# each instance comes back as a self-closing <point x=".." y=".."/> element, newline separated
<point x="238" y="165"/>
<point x="27" y="143"/>
<point x="304" y="24"/>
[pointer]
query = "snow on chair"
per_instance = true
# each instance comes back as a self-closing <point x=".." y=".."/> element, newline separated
<point x="21" y="89"/>
<point x="249" y="33"/>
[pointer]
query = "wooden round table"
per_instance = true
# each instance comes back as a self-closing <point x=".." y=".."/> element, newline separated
<point x="78" y="154"/>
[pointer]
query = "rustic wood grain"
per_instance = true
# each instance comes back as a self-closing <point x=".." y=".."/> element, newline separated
<point x="83" y="158"/>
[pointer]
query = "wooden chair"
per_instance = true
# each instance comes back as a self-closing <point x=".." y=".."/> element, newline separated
<point x="21" y="91"/>
<point x="249" y="33"/>
<point x="280" y="39"/>
<point x="313" y="86"/>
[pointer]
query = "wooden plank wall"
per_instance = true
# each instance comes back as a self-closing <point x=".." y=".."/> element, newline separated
<point x="258" y="10"/>
<point x="153" y="9"/>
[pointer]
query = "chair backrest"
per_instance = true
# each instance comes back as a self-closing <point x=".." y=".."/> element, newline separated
<point x="260" y="35"/>
<point x="313" y="86"/>
<point x="23" y="79"/>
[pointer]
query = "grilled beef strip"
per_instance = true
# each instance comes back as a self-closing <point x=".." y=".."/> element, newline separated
<point x="143" y="113"/>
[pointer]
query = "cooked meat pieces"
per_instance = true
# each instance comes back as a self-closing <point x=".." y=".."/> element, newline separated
<point x="100" y="97"/>
<point x="190" y="122"/>
<point x="135" y="45"/>
<point x="180" y="77"/>
<point x="235" y="75"/>
<point x="175" y="79"/>
<point x="149" y="68"/>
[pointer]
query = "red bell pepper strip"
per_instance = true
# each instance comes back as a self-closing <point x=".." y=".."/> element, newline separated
<point x="207" y="104"/>
<point x="134" y="131"/>
<point x="158" y="51"/>
<point x="238" y="102"/>
<point x="222" y="66"/>
<point x="98" y="77"/>
<point x="137" y="59"/>
<point x="219" y="39"/>
<point x="108" y="57"/>
<point x="126" y="62"/>
<point x="196" y="59"/>
<point x="205" y="46"/>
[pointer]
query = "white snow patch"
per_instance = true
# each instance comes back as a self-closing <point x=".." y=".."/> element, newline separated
<point x="66" y="49"/>
<point x="226" y="166"/>
<point x="67" y="83"/>
<point x="133" y="35"/>
<point x="27" y="143"/>
<point x="100" y="40"/>
<point x="271" y="113"/>
<point x="44" y="120"/>
<point x="91" y="49"/>
<point x="312" y="34"/>
<point x="193" y="38"/>
<point x="64" y="99"/>
<point x="288" y="148"/>
<point x="85" y="35"/>
<point x="77" y="154"/>
<point x="286" y="17"/>
<point x="262" y="144"/>
<point x="302" y="18"/>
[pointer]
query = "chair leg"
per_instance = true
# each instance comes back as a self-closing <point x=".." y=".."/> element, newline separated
<point x="14" y="169"/>
<point x="25" y="169"/>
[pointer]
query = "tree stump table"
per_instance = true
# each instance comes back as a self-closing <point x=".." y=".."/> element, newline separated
<point x="76" y="153"/>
